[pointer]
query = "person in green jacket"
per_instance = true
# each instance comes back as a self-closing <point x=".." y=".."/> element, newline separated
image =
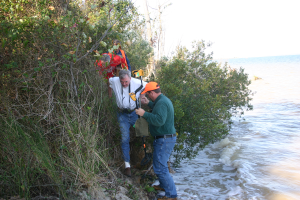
<point x="161" y="125"/>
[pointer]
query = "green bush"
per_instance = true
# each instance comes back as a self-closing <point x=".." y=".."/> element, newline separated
<point x="205" y="97"/>
<point x="59" y="130"/>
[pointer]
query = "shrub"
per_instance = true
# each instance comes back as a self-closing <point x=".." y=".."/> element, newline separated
<point x="205" y="96"/>
<point x="58" y="128"/>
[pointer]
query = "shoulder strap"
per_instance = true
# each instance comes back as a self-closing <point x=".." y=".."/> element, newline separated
<point x="124" y="56"/>
<point x="139" y="88"/>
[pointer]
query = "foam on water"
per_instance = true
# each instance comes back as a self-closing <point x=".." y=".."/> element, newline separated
<point x="205" y="177"/>
<point x="229" y="148"/>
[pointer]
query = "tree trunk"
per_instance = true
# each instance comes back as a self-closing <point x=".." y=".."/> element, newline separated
<point x="151" y="65"/>
<point x="160" y="42"/>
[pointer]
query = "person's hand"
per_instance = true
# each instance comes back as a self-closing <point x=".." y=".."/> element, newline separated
<point x="144" y="100"/>
<point x="140" y="112"/>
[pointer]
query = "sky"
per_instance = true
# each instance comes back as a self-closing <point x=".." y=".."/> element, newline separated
<point x="237" y="28"/>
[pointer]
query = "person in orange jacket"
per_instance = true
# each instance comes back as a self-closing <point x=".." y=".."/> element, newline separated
<point x="110" y="64"/>
<point x="122" y="53"/>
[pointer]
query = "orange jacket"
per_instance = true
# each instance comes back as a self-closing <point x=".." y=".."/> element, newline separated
<point x="124" y="56"/>
<point x="110" y="70"/>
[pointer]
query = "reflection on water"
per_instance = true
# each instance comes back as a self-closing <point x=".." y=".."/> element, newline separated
<point x="260" y="158"/>
<point x="287" y="172"/>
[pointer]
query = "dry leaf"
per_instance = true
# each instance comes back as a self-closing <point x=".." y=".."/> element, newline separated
<point x="71" y="52"/>
<point x="51" y="8"/>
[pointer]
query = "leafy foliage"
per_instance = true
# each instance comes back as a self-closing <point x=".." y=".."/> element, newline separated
<point x="58" y="126"/>
<point x="205" y="97"/>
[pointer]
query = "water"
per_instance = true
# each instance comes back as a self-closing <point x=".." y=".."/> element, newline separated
<point x="260" y="158"/>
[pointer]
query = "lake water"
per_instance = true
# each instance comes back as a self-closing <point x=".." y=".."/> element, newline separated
<point x="260" y="158"/>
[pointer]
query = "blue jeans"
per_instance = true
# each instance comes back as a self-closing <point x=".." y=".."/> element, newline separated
<point x="163" y="148"/>
<point x="126" y="120"/>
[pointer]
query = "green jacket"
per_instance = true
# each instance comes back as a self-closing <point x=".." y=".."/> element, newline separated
<point x="161" y="120"/>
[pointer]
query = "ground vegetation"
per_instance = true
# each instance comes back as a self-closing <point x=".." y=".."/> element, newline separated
<point x="59" y="132"/>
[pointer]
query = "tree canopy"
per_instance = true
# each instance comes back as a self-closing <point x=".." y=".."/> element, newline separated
<point x="205" y="96"/>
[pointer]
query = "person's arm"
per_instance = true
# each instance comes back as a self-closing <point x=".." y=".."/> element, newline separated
<point x="159" y="117"/>
<point x="145" y="100"/>
<point x="109" y="87"/>
<point x="128" y="63"/>
<point x="150" y="104"/>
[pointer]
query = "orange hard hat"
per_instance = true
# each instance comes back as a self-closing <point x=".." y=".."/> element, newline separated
<point x="150" y="86"/>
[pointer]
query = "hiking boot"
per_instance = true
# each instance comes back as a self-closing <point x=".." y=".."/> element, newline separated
<point x="127" y="172"/>
<point x="157" y="187"/>
<point x="166" y="198"/>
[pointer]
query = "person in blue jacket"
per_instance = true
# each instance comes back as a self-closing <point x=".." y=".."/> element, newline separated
<point x="122" y="53"/>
